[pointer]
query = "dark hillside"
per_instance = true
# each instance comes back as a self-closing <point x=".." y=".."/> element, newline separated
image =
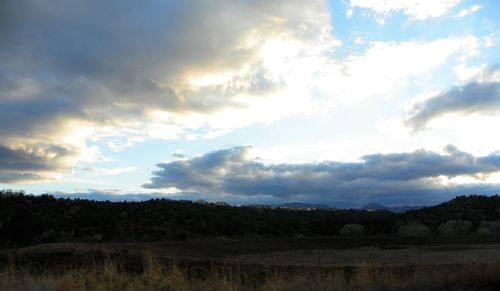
<point x="474" y="208"/>
<point x="28" y="219"/>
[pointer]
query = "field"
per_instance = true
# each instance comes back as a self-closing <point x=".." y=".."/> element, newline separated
<point x="323" y="263"/>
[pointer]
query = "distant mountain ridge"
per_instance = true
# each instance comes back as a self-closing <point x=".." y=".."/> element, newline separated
<point x="102" y="196"/>
<point x="374" y="206"/>
<point x="300" y="205"/>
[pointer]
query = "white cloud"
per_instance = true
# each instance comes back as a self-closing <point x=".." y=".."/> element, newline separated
<point x="386" y="67"/>
<point x="473" y="132"/>
<point x="349" y="13"/>
<point x="359" y="40"/>
<point x="491" y="40"/>
<point x="465" y="72"/>
<point x="468" y="11"/>
<point x="110" y="171"/>
<point x="415" y="9"/>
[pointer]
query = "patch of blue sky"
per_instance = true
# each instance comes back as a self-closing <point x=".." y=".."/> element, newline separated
<point x="146" y="154"/>
<point x="398" y="27"/>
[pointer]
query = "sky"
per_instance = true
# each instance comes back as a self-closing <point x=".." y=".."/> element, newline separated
<point x="340" y="102"/>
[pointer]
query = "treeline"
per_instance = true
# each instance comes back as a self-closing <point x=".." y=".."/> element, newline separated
<point x="28" y="219"/>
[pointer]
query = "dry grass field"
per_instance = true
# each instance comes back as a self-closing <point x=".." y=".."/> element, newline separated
<point x="299" y="265"/>
<point x="375" y="256"/>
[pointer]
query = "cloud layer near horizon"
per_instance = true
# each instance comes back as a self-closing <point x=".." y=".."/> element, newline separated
<point x="401" y="176"/>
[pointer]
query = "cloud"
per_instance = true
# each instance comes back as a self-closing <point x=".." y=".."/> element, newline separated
<point x="178" y="153"/>
<point x="110" y="171"/>
<point x="478" y="96"/>
<point x="25" y="164"/>
<point x="468" y="11"/>
<point x="123" y="71"/>
<point x="414" y="175"/>
<point x="386" y="67"/>
<point x="104" y="59"/>
<point x="416" y="9"/>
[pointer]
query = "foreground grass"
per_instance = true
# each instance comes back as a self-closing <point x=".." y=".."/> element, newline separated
<point x="157" y="276"/>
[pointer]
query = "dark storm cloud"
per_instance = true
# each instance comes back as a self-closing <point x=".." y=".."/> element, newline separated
<point x="24" y="165"/>
<point x="378" y="176"/>
<point x="474" y="97"/>
<point x="112" y="63"/>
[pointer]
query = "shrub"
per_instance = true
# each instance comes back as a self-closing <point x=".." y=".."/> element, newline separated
<point x="413" y="228"/>
<point x="483" y="231"/>
<point x="492" y="226"/>
<point x="455" y="227"/>
<point x="352" y="230"/>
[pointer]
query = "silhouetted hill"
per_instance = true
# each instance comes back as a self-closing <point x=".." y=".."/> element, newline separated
<point x="402" y="209"/>
<point x="28" y="219"/>
<point x="474" y="208"/>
